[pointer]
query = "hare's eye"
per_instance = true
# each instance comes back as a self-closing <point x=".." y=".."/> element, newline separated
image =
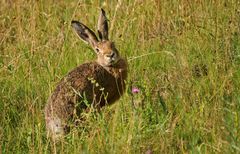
<point x="97" y="49"/>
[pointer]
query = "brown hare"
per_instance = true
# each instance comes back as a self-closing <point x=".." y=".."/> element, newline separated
<point x="93" y="84"/>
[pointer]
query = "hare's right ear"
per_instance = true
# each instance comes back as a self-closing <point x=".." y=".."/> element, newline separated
<point x="85" y="33"/>
<point x="102" y="26"/>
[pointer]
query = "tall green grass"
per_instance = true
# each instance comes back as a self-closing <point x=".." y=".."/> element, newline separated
<point x="184" y="56"/>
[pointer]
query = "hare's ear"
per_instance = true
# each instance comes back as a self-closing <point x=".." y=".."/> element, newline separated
<point x="85" y="33"/>
<point x="102" y="26"/>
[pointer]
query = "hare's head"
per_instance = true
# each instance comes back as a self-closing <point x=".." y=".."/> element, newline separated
<point x="107" y="54"/>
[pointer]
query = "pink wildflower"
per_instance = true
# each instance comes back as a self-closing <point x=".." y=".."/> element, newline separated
<point x="135" y="90"/>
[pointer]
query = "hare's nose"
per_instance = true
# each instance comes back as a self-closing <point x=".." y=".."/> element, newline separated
<point x="111" y="55"/>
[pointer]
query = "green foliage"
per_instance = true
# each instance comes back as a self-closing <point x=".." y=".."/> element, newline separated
<point x="184" y="57"/>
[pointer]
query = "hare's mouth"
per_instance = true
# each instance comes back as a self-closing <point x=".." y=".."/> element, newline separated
<point x="108" y="62"/>
<point x="113" y="62"/>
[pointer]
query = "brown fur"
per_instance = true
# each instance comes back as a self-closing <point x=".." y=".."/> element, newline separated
<point x="79" y="82"/>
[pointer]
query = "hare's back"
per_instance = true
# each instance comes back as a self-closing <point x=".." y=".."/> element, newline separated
<point x="81" y="81"/>
<point x="77" y="80"/>
<point x="72" y="87"/>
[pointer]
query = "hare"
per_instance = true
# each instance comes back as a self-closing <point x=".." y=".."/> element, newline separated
<point x="95" y="84"/>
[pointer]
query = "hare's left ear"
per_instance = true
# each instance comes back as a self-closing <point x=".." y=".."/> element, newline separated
<point x="102" y="26"/>
<point x="86" y="34"/>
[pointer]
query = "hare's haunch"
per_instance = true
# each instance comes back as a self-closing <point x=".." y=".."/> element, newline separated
<point x="95" y="83"/>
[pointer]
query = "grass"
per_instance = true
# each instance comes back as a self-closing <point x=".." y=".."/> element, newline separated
<point x="183" y="56"/>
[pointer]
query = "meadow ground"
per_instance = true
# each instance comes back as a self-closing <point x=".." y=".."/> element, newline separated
<point x="184" y="57"/>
